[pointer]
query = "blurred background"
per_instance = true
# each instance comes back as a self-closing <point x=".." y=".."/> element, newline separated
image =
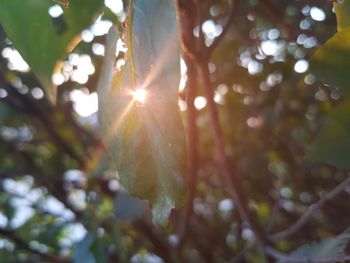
<point x="58" y="193"/>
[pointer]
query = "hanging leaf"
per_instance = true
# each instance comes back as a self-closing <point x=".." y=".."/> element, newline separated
<point x="342" y="11"/>
<point x="327" y="248"/>
<point x="128" y="207"/>
<point x="90" y="249"/>
<point x="139" y="116"/>
<point x="82" y="251"/>
<point x="41" y="39"/>
<point x="332" y="144"/>
<point x="331" y="62"/>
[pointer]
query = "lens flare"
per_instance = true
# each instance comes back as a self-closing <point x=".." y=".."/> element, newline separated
<point x="140" y="95"/>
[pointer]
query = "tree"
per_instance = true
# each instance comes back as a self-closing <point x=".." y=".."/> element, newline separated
<point x="240" y="156"/>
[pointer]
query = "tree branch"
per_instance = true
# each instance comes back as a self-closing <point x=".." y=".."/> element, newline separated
<point x="239" y="257"/>
<point x="310" y="212"/>
<point x="30" y="167"/>
<point x="294" y="259"/>
<point x="199" y="20"/>
<point x="187" y="23"/>
<point x="192" y="149"/>
<point x="22" y="244"/>
<point x="159" y="243"/>
<point x="275" y="14"/>
<point x="34" y="110"/>
<point x="209" y="51"/>
<point x="187" y="14"/>
<point x="186" y="10"/>
<point x="230" y="178"/>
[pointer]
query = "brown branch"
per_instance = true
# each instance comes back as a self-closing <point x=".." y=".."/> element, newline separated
<point x="208" y="52"/>
<point x="275" y="206"/>
<point x="187" y="19"/>
<point x="200" y="21"/>
<point x="31" y="108"/>
<point x="80" y="131"/>
<point x="240" y="256"/>
<point x="187" y="23"/>
<point x="310" y="212"/>
<point x="275" y="14"/>
<point x="192" y="147"/>
<point x="298" y="225"/>
<point x="230" y="177"/>
<point x="295" y="259"/>
<point x="22" y="244"/>
<point x="186" y="10"/>
<point x="49" y="126"/>
<point x="41" y="178"/>
<point x="160" y="244"/>
<point x="10" y="174"/>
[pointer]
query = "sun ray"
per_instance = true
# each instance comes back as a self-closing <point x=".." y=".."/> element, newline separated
<point x="139" y="95"/>
<point x="116" y="124"/>
<point x="158" y="65"/>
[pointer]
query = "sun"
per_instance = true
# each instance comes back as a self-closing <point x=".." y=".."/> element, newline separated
<point x="140" y="95"/>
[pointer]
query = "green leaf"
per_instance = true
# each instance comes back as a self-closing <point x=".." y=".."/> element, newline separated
<point x="146" y="140"/>
<point x="332" y="144"/>
<point x="41" y="39"/>
<point x="90" y="249"/>
<point x="128" y="207"/>
<point x="331" y="62"/>
<point x="99" y="250"/>
<point x="82" y="251"/>
<point x="342" y="11"/>
<point x="331" y="247"/>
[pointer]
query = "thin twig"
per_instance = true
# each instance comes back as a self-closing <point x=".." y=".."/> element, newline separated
<point x="216" y="42"/>
<point x="310" y="212"/>
<point x="31" y="108"/>
<point x="275" y="14"/>
<point x="192" y="149"/>
<point x="230" y="177"/>
<point x="240" y="256"/>
<point x="200" y="20"/>
<point x="275" y="207"/>
<point x="296" y="259"/>
<point x="22" y="244"/>
<point x="10" y="174"/>
<point x="186" y="11"/>
<point x="187" y="16"/>
<point x="160" y="244"/>
<point x="55" y="187"/>
<point x="187" y="23"/>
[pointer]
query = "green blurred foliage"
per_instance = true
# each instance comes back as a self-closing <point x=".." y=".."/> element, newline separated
<point x="335" y="130"/>
<point x="146" y="138"/>
<point x="59" y="194"/>
<point x="43" y="39"/>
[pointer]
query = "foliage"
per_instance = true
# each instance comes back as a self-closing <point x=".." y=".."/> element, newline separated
<point x="328" y="66"/>
<point x="45" y="46"/>
<point x="146" y="139"/>
<point x="325" y="248"/>
<point x="335" y="130"/>
<point x="258" y="173"/>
